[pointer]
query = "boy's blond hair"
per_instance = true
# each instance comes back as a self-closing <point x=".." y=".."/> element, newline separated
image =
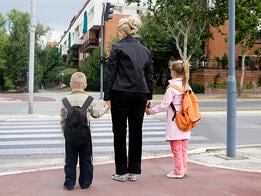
<point x="78" y="81"/>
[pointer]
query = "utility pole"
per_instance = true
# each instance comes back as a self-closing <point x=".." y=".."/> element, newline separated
<point x="31" y="58"/>
<point x="231" y="86"/>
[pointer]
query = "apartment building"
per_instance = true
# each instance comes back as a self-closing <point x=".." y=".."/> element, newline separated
<point x="84" y="31"/>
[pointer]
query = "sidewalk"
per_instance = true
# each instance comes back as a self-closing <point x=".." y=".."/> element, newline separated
<point x="201" y="180"/>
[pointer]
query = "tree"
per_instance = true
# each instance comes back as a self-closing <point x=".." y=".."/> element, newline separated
<point x="3" y="41"/>
<point x="49" y="60"/>
<point x="3" y="55"/>
<point x="17" y="51"/>
<point x="18" y="48"/>
<point x="92" y="69"/>
<point x="154" y="35"/>
<point x="248" y="21"/>
<point x="188" y="22"/>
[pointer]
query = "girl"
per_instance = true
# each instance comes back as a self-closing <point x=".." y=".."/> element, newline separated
<point x="178" y="139"/>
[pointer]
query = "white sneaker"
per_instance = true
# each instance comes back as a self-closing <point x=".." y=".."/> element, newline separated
<point x="175" y="176"/>
<point x="120" y="178"/>
<point x="132" y="177"/>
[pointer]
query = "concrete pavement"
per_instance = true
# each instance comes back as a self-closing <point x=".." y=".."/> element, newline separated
<point x="210" y="172"/>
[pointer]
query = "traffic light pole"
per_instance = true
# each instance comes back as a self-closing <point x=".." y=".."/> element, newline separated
<point x="106" y="11"/>
<point x="101" y="53"/>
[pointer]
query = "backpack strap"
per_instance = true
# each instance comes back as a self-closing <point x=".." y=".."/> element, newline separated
<point x="174" y="110"/>
<point x="176" y="87"/>
<point x="87" y="102"/>
<point x="85" y="105"/>
<point x="171" y="104"/>
<point x="66" y="103"/>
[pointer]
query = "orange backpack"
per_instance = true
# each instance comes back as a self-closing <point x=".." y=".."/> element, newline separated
<point x="188" y="117"/>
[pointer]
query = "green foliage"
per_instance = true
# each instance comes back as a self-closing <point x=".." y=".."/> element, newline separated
<point x="8" y="83"/>
<point x="67" y="75"/>
<point x="50" y="66"/>
<point x="248" y="14"/>
<point x="224" y="61"/>
<point x="18" y="48"/>
<point x="216" y="78"/>
<point x="14" y="52"/>
<point x="251" y="85"/>
<point x="159" y="90"/>
<point x="258" y="52"/>
<point x="3" y="42"/>
<point x="198" y="88"/>
<point x="92" y="70"/>
<point x="155" y="36"/>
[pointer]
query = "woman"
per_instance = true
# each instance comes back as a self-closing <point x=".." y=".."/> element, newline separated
<point x="128" y="89"/>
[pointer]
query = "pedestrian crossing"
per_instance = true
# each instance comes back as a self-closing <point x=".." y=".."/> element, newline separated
<point x="29" y="142"/>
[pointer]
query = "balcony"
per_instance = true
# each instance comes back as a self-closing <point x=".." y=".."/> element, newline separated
<point x="89" y="45"/>
<point x="76" y="43"/>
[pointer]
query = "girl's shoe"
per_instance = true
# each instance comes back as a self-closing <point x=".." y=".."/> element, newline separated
<point x="175" y="176"/>
<point x="120" y="178"/>
<point x="132" y="177"/>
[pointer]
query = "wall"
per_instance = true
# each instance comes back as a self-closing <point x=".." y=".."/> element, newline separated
<point x="218" y="46"/>
<point x="207" y="76"/>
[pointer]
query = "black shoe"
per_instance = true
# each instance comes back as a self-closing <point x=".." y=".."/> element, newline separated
<point x="69" y="188"/>
<point x="84" y="187"/>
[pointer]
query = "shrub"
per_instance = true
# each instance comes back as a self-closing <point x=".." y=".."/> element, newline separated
<point x="198" y="88"/>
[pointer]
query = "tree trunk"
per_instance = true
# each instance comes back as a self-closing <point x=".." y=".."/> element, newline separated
<point x="242" y="75"/>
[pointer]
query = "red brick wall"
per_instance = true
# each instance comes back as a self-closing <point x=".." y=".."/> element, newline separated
<point x="218" y="46"/>
<point x="207" y="76"/>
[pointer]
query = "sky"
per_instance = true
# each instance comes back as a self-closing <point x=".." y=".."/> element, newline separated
<point x="55" y="14"/>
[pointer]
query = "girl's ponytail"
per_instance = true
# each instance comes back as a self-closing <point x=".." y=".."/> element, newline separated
<point x="186" y="75"/>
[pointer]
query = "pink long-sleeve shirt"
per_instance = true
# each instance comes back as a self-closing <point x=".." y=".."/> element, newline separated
<point x="174" y="96"/>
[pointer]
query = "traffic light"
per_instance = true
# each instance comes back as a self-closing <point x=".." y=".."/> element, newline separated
<point x="108" y="11"/>
<point x="103" y="59"/>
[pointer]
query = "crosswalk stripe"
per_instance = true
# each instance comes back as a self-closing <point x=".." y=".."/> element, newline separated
<point x="32" y="151"/>
<point x="95" y="141"/>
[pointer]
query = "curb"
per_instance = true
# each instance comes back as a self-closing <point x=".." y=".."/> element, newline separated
<point x="217" y="150"/>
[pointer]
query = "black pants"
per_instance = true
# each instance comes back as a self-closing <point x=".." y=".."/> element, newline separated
<point x="85" y="161"/>
<point x="127" y="107"/>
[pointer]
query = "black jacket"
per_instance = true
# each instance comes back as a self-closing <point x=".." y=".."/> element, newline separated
<point x="129" y="68"/>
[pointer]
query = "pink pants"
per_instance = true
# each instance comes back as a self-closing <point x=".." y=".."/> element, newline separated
<point x="179" y="149"/>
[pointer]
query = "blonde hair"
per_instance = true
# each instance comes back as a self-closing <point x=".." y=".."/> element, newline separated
<point x="78" y="80"/>
<point x="129" y="25"/>
<point x="182" y="69"/>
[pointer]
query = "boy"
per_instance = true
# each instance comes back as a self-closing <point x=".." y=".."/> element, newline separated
<point x="77" y="97"/>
